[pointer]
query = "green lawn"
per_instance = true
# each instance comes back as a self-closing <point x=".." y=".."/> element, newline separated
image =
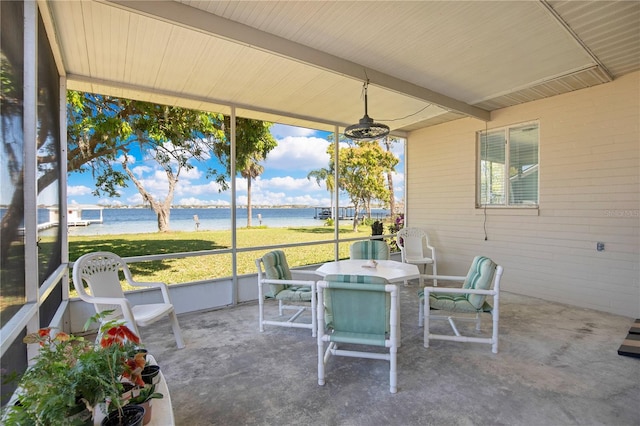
<point x="216" y="265"/>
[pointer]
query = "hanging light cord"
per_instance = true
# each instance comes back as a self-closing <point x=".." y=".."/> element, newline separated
<point x="406" y="116"/>
<point x="364" y="93"/>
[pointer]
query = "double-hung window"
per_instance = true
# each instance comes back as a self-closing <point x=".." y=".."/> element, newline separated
<point x="508" y="166"/>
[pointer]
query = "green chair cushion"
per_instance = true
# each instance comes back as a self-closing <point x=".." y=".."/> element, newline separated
<point x="297" y="294"/>
<point x="378" y="250"/>
<point x="358" y="316"/>
<point x="479" y="277"/>
<point x="358" y="302"/>
<point x="276" y="268"/>
<point x="453" y="302"/>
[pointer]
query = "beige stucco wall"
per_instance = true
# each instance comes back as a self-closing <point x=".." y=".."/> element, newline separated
<point x="589" y="192"/>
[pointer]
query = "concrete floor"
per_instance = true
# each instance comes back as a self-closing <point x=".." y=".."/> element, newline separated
<point x="557" y="365"/>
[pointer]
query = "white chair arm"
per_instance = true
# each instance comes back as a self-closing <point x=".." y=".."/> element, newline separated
<point x="106" y="301"/>
<point x="124" y="304"/>
<point x="311" y="284"/>
<point x="164" y="288"/>
<point x="433" y="252"/>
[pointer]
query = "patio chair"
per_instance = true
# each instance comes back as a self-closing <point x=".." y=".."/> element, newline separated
<point x="370" y="249"/>
<point x="297" y="295"/>
<point x="415" y="248"/>
<point x="470" y="299"/>
<point x="358" y="310"/>
<point x="100" y="271"/>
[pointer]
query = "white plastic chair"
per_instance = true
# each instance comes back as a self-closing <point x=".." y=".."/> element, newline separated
<point x="297" y="295"/>
<point x="482" y="280"/>
<point x="99" y="271"/>
<point x="415" y="248"/>
<point x="358" y="310"/>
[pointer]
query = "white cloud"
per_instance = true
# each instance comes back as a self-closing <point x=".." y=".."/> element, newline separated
<point x="296" y="153"/>
<point x="140" y="170"/>
<point x="188" y="188"/>
<point x="191" y="174"/>
<point x="135" y="199"/>
<point x="398" y="178"/>
<point x="280" y="131"/>
<point x="397" y="148"/>
<point x="269" y="198"/>
<point x="110" y="202"/>
<point x="74" y="191"/>
<point x="130" y="159"/>
<point x="286" y="183"/>
<point x="192" y="201"/>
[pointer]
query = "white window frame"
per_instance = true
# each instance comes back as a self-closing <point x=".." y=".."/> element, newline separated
<point x="480" y="203"/>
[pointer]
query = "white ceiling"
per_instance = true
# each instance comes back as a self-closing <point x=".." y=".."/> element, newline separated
<point x="304" y="62"/>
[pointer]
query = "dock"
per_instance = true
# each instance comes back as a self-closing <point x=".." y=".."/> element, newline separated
<point x="74" y="215"/>
<point x="324" y="213"/>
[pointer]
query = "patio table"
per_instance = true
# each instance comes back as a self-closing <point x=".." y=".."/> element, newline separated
<point x="392" y="270"/>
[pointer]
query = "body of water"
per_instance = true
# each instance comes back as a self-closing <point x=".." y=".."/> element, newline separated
<point x="134" y="221"/>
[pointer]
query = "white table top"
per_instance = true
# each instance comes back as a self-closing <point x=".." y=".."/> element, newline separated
<point x="392" y="270"/>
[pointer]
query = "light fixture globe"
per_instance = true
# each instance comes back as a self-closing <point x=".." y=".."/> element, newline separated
<point x="366" y="129"/>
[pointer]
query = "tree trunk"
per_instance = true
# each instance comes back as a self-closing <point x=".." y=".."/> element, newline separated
<point x="249" y="202"/>
<point x="355" y="217"/>
<point x="11" y="220"/>
<point x="392" y="197"/>
<point x="163" y="218"/>
<point x="162" y="210"/>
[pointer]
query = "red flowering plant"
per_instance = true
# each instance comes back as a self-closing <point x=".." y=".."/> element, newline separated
<point x="71" y="375"/>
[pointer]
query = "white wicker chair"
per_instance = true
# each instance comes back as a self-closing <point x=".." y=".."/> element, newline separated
<point x="99" y="271"/>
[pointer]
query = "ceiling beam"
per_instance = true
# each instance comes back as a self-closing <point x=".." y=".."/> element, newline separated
<point x="189" y="17"/>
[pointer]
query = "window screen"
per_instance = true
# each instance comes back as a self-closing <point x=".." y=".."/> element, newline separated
<point x="508" y="166"/>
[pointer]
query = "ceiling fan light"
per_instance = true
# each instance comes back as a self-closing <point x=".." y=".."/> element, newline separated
<point x="366" y="130"/>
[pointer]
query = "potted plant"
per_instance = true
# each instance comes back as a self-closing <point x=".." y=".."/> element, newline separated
<point x="71" y="376"/>
<point x="147" y="393"/>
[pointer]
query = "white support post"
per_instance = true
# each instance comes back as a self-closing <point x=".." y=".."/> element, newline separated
<point x="336" y="194"/>
<point x="30" y="125"/>
<point x="234" y="232"/>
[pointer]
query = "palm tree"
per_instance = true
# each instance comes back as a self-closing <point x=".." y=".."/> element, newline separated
<point x="325" y="175"/>
<point x="386" y="142"/>
<point x="251" y="171"/>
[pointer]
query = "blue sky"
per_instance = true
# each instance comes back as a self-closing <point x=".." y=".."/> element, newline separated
<point x="283" y="182"/>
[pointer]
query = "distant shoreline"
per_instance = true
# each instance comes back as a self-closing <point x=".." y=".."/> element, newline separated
<point x="138" y="206"/>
